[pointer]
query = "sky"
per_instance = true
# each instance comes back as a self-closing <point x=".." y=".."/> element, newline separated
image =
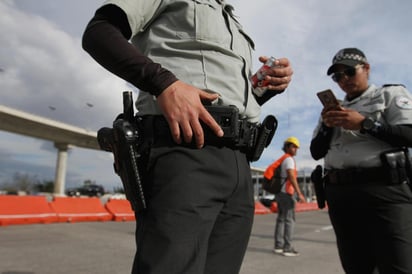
<point x="44" y="71"/>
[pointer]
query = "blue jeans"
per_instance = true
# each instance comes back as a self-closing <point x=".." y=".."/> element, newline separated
<point x="285" y="221"/>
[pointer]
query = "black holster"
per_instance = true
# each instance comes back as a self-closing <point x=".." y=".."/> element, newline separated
<point x="319" y="184"/>
<point x="264" y="135"/>
<point x="124" y="141"/>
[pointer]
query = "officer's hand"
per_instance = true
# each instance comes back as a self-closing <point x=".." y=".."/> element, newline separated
<point x="327" y="117"/>
<point x="346" y="118"/>
<point x="182" y="107"/>
<point x="280" y="75"/>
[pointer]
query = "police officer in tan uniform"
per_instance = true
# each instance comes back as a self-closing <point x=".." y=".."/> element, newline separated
<point x="363" y="142"/>
<point x="184" y="55"/>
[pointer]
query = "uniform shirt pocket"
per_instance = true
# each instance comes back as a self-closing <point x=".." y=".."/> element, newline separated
<point x="210" y="22"/>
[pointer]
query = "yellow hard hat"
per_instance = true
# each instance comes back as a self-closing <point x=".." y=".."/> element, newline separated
<point x="293" y="140"/>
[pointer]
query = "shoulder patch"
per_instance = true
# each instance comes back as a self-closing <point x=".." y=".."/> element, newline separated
<point x="403" y="102"/>
<point x="392" y="85"/>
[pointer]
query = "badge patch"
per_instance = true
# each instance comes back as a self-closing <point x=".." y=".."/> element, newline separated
<point x="404" y="102"/>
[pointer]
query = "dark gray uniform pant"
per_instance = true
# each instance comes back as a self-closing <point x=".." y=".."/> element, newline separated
<point x="200" y="212"/>
<point x="373" y="227"/>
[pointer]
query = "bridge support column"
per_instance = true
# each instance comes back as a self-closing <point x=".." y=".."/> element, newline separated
<point x="61" y="166"/>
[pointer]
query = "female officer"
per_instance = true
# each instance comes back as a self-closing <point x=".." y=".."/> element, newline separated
<point x="367" y="190"/>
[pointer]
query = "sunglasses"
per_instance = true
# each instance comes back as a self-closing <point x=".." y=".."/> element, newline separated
<point x="349" y="72"/>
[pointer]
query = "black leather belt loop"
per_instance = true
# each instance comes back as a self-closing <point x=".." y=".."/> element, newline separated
<point x="358" y="176"/>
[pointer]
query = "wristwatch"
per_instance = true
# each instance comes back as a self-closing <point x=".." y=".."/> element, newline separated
<point x="368" y="125"/>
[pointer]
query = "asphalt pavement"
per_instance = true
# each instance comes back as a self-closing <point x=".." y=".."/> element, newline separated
<point x="108" y="247"/>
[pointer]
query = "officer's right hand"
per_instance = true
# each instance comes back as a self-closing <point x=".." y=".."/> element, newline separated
<point x="182" y="107"/>
<point x="348" y="119"/>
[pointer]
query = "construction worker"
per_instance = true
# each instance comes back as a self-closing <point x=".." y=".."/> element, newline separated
<point x="286" y="200"/>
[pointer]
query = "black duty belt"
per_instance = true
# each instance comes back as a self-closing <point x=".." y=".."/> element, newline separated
<point x="157" y="128"/>
<point x="358" y="176"/>
<point x="238" y="133"/>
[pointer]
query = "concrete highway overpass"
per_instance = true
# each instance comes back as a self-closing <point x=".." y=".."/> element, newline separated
<point x="64" y="136"/>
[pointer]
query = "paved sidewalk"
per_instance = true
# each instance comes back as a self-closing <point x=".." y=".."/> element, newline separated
<point x="108" y="247"/>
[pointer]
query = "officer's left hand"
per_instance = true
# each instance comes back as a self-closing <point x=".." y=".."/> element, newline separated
<point x="280" y="75"/>
<point x="346" y="118"/>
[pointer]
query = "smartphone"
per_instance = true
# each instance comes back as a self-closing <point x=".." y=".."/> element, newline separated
<point x="328" y="99"/>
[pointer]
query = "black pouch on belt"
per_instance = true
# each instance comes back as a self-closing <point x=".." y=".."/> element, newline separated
<point x="241" y="134"/>
<point x="397" y="163"/>
<point x="264" y="135"/>
<point x="228" y="119"/>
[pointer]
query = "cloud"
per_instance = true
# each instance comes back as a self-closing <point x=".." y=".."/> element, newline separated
<point x="44" y="66"/>
<point x="45" y="72"/>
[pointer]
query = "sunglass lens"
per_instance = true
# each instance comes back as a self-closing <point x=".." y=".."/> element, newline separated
<point x="349" y="72"/>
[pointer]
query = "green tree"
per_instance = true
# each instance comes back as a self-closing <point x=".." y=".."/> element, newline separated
<point x="21" y="182"/>
<point x="45" y="186"/>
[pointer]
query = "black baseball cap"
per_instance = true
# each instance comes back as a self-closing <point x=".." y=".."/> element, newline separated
<point x="348" y="57"/>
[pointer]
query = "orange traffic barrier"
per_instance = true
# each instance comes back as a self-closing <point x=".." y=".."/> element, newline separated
<point x="274" y="207"/>
<point x="25" y="210"/>
<point x="120" y="209"/>
<point x="260" y="208"/>
<point x="300" y="207"/>
<point x="74" y="209"/>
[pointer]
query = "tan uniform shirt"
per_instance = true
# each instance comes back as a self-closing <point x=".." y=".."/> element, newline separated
<point x="349" y="148"/>
<point x="199" y="41"/>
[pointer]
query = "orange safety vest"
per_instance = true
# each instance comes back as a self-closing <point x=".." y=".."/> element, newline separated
<point x="270" y="170"/>
<point x="289" y="187"/>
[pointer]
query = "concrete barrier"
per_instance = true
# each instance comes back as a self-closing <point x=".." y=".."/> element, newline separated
<point x="74" y="209"/>
<point x="25" y="210"/>
<point x="120" y="209"/>
<point x="260" y="208"/>
<point x="300" y="207"/>
<point x="311" y="206"/>
<point x="37" y="209"/>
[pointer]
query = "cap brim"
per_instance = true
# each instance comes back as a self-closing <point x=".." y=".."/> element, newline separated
<point x="349" y="63"/>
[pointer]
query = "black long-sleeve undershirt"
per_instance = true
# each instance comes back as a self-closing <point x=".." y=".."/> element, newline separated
<point x="320" y="144"/>
<point x="396" y="135"/>
<point x="106" y="39"/>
